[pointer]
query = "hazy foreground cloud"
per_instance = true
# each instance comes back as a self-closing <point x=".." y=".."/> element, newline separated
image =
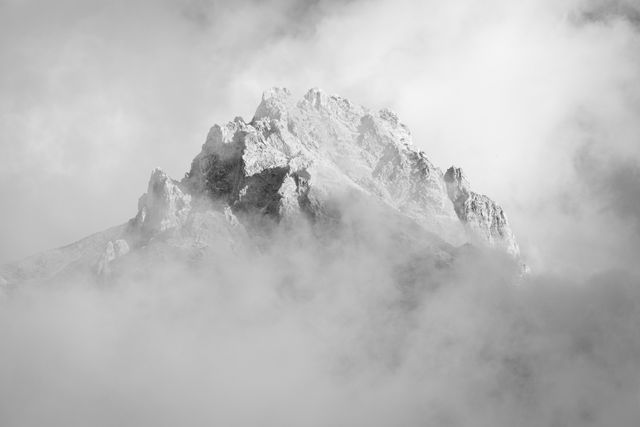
<point x="316" y="334"/>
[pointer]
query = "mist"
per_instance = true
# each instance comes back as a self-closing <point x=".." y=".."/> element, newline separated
<point x="536" y="100"/>
<point x="332" y="326"/>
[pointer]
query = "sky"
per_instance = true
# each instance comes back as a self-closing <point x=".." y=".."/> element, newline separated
<point x="536" y="100"/>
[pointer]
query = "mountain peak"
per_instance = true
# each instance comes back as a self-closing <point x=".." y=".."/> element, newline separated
<point x="317" y="161"/>
<point x="325" y="146"/>
<point x="274" y="104"/>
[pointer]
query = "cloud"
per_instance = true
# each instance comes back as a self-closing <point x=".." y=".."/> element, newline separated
<point x="605" y="11"/>
<point x="615" y="182"/>
<point x="321" y="332"/>
<point x="536" y="100"/>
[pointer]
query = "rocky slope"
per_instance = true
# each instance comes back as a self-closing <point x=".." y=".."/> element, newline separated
<point x="484" y="220"/>
<point x="314" y="161"/>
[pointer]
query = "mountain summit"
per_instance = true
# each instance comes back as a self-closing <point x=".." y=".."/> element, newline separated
<point x="316" y="161"/>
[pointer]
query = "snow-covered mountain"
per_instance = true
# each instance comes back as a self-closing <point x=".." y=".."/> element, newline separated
<point x="321" y="163"/>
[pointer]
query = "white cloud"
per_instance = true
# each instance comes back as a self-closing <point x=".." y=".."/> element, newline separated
<point x="536" y="100"/>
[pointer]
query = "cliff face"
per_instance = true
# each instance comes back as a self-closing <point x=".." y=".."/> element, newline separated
<point x="294" y="161"/>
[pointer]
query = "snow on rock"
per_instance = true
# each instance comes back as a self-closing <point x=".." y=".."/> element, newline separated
<point x="163" y="206"/>
<point x="275" y="104"/>
<point x="297" y="157"/>
<point x="485" y="220"/>
<point x="293" y="157"/>
<point x="113" y="250"/>
<point x="319" y="159"/>
<point x="230" y="217"/>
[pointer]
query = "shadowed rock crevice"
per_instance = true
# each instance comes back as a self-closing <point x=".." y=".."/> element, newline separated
<point x="261" y="192"/>
<point x="218" y="171"/>
<point x="224" y="177"/>
<point x="303" y="187"/>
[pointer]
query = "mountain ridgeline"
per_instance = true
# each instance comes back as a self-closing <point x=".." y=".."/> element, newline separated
<point x="321" y="164"/>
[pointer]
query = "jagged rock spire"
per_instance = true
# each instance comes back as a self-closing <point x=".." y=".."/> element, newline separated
<point x="485" y="220"/>
<point x="163" y="206"/>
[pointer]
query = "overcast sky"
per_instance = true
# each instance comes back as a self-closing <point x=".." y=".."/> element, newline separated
<point x="537" y="100"/>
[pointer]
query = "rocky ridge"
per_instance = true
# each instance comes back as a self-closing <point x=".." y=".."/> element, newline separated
<point x="296" y="161"/>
